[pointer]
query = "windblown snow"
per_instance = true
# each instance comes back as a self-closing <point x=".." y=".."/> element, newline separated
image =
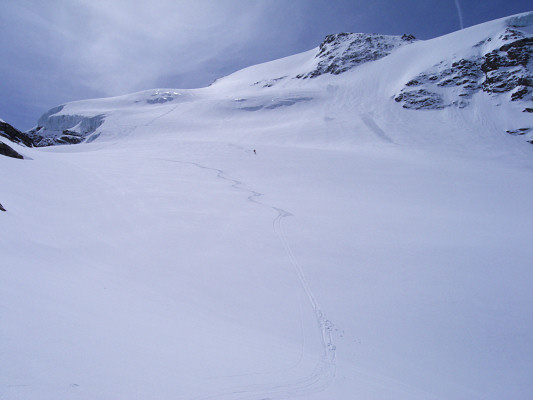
<point x="274" y="237"/>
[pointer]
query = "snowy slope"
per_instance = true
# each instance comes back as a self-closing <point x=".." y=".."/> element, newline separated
<point x="368" y="250"/>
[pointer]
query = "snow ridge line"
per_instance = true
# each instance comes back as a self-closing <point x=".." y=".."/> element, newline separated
<point x="324" y="372"/>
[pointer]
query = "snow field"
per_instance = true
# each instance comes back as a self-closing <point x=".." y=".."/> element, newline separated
<point x="145" y="273"/>
<point x="365" y="251"/>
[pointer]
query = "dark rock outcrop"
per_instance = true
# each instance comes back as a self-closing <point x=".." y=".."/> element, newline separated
<point x="421" y="99"/>
<point x="14" y="134"/>
<point x="506" y="69"/>
<point x="519" y="131"/>
<point x="2" y="208"/>
<point x="7" y="151"/>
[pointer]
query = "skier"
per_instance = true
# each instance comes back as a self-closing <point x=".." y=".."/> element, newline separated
<point x="255" y="152"/>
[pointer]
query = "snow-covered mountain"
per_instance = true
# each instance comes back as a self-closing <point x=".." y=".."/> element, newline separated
<point x="487" y="67"/>
<point x="349" y="222"/>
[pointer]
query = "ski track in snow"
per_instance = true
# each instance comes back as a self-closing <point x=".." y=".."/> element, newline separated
<point x="162" y="115"/>
<point x="324" y="372"/>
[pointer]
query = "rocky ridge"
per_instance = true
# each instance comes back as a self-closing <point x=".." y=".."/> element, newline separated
<point x="341" y="52"/>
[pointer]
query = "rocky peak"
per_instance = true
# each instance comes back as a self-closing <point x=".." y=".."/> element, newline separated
<point x="343" y="51"/>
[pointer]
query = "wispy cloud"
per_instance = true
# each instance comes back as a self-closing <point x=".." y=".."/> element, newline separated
<point x="460" y="14"/>
<point x="119" y="46"/>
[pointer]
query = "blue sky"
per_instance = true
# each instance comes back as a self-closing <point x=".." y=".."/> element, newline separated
<point x="55" y="51"/>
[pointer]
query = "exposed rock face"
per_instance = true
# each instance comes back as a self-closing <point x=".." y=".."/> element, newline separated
<point x="2" y="208"/>
<point x="5" y="150"/>
<point x="506" y="69"/>
<point x="341" y="52"/>
<point x="425" y="91"/>
<point x="420" y="98"/>
<point x="56" y="128"/>
<point x="14" y="134"/>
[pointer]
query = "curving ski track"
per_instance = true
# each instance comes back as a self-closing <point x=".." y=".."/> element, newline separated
<point x="324" y="372"/>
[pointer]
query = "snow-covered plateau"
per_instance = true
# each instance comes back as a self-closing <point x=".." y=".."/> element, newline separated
<point x="352" y="222"/>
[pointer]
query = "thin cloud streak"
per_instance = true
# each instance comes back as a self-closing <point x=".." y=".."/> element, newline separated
<point x="460" y="14"/>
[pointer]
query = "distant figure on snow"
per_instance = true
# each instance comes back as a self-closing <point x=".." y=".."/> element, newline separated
<point x="255" y="152"/>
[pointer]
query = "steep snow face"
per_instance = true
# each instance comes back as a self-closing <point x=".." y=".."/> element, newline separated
<point x="499" y="64"/>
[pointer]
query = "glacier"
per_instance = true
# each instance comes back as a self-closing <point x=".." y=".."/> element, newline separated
<point x="275" y="237"/>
